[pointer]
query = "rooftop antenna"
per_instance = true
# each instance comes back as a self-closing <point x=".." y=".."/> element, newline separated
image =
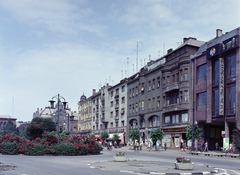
<point x="144" y="61"/>
<point x="133" y="68"/>
<point x="112" y="82"/>
<point x="127" y="66"/>
<point x="149" y="57"/>
<point x="137" y="42"/>
<point x="126" y="73"/>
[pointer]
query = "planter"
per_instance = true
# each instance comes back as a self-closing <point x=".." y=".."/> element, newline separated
<point x="184" y="166"/>
<point x="120" y="158"/>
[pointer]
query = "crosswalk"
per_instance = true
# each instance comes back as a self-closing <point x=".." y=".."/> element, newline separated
<point x="227" y="172"/>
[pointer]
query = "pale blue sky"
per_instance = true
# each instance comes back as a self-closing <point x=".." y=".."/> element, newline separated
<point x="73" y="46"/>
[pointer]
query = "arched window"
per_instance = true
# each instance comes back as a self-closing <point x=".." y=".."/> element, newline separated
<point x="143" y="123"/>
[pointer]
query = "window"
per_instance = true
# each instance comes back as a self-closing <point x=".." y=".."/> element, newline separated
<point x="177" y="77"/>
<point x="149" y="85"/>
<point x="130" y="93"/>
<point x="93" y="127"/>
<point x="139" y="89"/>
<point x="186" y="74"/>
<point x="158" y="101"/>
<point x="181" y="75"/>
<point x="111" y="124"/>
<point x="111" y="103"/>
<point x="130" y="108"/>
<point x="136" y="90"/>
<point x="153" y="102"/>
<point x="123" y="88"/>
<point x="186" y="96"/>
<point x="122" y="123"/>
<point x="173" y="119"/>
<point x="136" y="107"/>
<point x="215" y="102"/>
<point x="101" y="126"/>
<point x="231" y="68"/>
<point x="142" y="106"/>
<point x="202" y="98"/>
<point x="111" y="114"/>
<point x="133" y="108"/>
<point x="153" y="84"/>
<point x="185" y="118"/>
<point x="181" y="98"/>
<point x="111" y="93"/>
<point x="172" y="97"/>
<point x="168" y="80"/>
<point x="116" y="124"/>
<point x="149" y="103"/>
<point x="177" y="118"/>
<point x="215" y="72"/>
<point x="158" y="82"/>
<point x="202" y="71"/>
<point x="163" y="81"/>
<point x="167" y="119"/>
<point x="231" y="100"/>
<point x="133" y="92"/>
<point x="94" y="119"/>
<point x="173" y="78"/>
<point x="123" y="99"/>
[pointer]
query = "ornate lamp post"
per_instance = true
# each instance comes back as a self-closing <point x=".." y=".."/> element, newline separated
<point x="58" y="98"/>
<point x="71" y="119"/>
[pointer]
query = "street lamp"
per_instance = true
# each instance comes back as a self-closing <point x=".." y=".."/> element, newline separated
<point x="71" y="119"/>
<point x="58" y="98"/>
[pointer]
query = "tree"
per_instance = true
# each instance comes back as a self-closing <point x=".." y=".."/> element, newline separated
<point x="155" y="135"/>
<point x="134" y="135"/>
<point x="10" y="128"/>
<point x="91" y="136"/>
<point x="115" y="137"/>
<point x="197" y="132"/>
<point x="23" y="132"/>
<point x="104" y="135"/>
<point x="48" y="125"/>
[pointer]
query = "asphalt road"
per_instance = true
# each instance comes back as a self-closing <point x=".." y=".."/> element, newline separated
<point x="61" y="165"/>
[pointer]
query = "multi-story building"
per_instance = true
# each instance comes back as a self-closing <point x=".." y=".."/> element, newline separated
<point x="65" y="114"/>
<point x="144" y="99"/>
<point x="216" y="87"/>
<point x="117" y="114"/>
<point x="176" y="77"/>
<point x="85" y="115"/>
<point x="4" y="119"/>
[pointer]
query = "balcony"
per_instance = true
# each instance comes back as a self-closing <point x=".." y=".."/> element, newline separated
<point x="102" y="119"/>
<point x="102" y="99"/>
<point x="97" y="104"/>
<point x="103" y="109"/>
<point x="170" y="87"/>
<point x="176" y="107"/>
<point x="97" y="121"/>
<point x="116" y="117"/>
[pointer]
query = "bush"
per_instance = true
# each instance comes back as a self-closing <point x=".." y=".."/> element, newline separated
<point x="9" y="148"/>
<point x="34" y="149"/>
<point x="65" y="148"/>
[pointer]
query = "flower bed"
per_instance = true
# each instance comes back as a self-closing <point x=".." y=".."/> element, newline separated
<point x="49" y="144"/>
<point x="183" y="163"/>
<point x="120" y="157"/>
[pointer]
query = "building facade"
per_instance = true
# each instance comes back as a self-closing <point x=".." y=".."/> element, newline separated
<point x="4" y="119"/>
<point x="176" y="79"/>
<point x="216" y="87"/>
<point x="85" y="115"/>
<point x="144" y="99"/>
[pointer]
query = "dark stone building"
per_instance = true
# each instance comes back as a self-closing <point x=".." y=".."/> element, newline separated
<point x="216" y="87"/>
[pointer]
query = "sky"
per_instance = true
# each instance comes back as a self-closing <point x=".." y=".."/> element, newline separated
<point x="70" y="47"/>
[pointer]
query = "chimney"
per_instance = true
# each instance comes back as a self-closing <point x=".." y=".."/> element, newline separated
<point x="169" y="50"/>
<point x="184" y="40"/>
<point x="94" y="91"/>
<point x="218" y="33"/>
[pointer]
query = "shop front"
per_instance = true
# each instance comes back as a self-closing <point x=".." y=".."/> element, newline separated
<point x="173" y="136"/>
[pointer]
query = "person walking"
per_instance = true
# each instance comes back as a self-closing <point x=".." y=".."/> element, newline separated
<point x="149" y="146"/>
<point x="206" y="146"/>
<point x="203" y="147"/>
<point x="181" y="146"/>
<point x="165" y="146"/>
<point x="216" y="145"/>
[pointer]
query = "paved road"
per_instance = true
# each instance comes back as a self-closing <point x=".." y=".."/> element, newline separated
<point x="91" y="164"/>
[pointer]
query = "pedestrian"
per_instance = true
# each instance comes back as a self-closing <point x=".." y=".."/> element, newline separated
<point x="165" y="146"/>
<point x="203" y="146"/>
<point x="232" y="148"/>
<point x="206" y="146"/>
<point x="137" y="145"/>
<point x="140" y="146"/>
<point x="216" y="145"/>
<point x="149" y="146"/>
<point x="184" y="146"/>
<point x="181" y="146"/>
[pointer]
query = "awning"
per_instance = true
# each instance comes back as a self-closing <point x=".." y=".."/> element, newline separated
<point x="111" y="135"/>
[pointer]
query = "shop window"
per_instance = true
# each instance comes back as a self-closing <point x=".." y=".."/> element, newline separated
<point x="231" y="100"/>
<point x="231" y="68"/>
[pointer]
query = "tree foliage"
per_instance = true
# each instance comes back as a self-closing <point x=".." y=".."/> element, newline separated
<point x="197" y="132"/>
<point x="156" y="134"/>
<point x="38" y="126"/>
<point x="134" y="134"/>
<point x="104" y="135"/>
<point x="9" y="128"/>
<point x="116" y="137"/>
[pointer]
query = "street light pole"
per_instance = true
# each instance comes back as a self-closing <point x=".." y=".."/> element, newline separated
<point x="58" y="98"/>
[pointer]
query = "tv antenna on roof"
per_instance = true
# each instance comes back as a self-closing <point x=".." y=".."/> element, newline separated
<point x="137" y="42"/>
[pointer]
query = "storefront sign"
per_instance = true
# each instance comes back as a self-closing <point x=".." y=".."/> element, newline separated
<point x="174" y="130"/>
<point x="230" y="43"/>
<point x="213" y="51"/>
<point x="116" y="130"/>
<point x="221" y="87"/>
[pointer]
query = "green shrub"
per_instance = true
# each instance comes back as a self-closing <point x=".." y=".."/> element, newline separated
<point x="65" y="148"/>
<point x="9" y="148"/>
<point x="33" y="149"/>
